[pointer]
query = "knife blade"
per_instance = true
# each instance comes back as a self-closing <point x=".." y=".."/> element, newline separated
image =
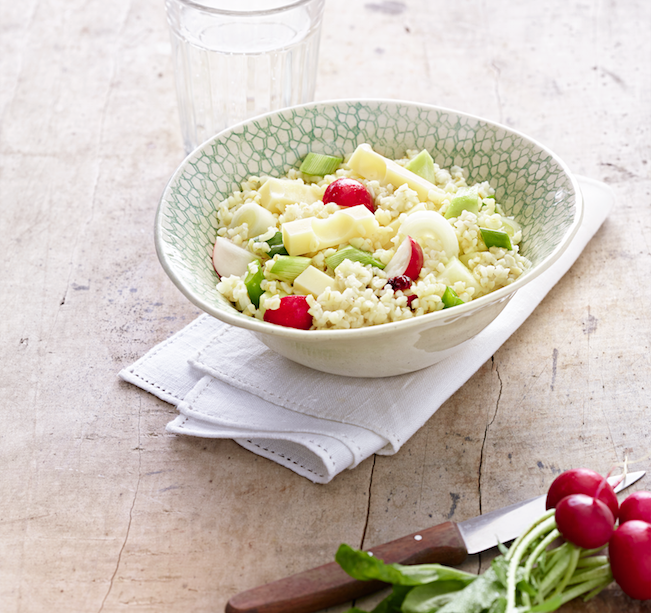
<point x="448" y="543"/>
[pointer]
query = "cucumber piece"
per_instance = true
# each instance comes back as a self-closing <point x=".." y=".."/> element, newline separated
<point x="459" y="204"/>
<point x="288" y="267"/>
<point x="496" y="238"/>
<point x="253" y="281"/>
<point x="450" y="298"/>
<point x="354" y="255"/>
<point x="319" y="164"/>
<point x="423" y="166"/>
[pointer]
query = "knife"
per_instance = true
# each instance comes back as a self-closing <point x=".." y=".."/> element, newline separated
<point x="448" y="543"/>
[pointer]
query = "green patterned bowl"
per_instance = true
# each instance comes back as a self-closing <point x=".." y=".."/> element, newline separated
<point x="531" y="183"/>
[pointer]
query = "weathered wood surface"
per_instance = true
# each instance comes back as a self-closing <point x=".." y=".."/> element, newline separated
<point x="100" y="510"/>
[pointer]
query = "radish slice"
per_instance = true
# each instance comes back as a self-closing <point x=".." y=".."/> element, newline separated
<point x="407" y="260"/>
<point x="229" y="259"/>
<point x="430" y="224"/>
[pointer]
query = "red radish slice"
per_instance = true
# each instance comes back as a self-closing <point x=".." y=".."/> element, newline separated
<point x="292" y="313"/>
<point x="582" y="481"/>
<point x="585" y="521"/>
<point x="407" y="260"/>
<point x="229" y="259"/>
<point x="636" y="506"/>
<point x="630" y="558"/>
<point x="348" y="192"/>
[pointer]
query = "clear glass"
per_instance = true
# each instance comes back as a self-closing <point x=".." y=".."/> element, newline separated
<point x="234" y="59"/>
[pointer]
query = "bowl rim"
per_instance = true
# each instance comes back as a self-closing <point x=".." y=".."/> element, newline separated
<point x="428" y="319"/>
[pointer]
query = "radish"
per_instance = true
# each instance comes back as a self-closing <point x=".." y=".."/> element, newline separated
<point x="348" y="192"/>
<point x="630" y="558"/>
<point x="585" y="521"/>
<point x="582" y="481"/>
<point x="407" y="260"/>
<point x="293" y="312"/>
<point x="636" y="506"/>
<point x="229" y="259"/>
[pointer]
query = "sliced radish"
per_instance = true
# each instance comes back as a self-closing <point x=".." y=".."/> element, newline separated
<point x="407" y="260"/>
<point x="293" y="312"/>
<point x="229" y="259"/>
<point x="430" y="224"/>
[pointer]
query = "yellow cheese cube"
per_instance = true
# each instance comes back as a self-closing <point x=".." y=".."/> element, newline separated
<point x="313" y="281"/>
<point x="313" y="234"/>
<point x="375" y="167"/>
<point x="276" y="194"/>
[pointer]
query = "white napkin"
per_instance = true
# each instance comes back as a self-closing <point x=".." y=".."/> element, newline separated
<point x="227" y="384"/>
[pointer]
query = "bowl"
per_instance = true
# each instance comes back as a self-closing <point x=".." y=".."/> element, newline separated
<point x="531" y="183"/>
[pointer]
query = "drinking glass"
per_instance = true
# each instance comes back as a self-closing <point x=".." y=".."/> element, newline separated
<point x="234" y="59"/>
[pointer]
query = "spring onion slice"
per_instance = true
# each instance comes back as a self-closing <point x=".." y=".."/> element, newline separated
<point x="253" y="281"/>
<point x="496" y="238"/>
<point x="288" y="267"/>
<point x="450" y="298"/>
<point x="319" y="164"/>
<point x="276" y="246"/>
<point x="354" y="255"/>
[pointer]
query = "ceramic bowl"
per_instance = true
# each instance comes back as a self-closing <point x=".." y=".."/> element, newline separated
<point x="530" y="181"/>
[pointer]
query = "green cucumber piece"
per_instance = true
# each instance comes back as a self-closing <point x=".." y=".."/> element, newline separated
<point x="253" y="281"/>
<point x="496" y="238"/>
<point x="423" y="166"/>
<point x="319" y="164"/>
<point x="459" y="204"/>
<point x="288" y="267"/>
<point x="450" y="298"/>
<point x="354" y="255"/>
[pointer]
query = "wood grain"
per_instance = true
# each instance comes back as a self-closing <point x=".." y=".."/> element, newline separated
<point x="100" y="509"/>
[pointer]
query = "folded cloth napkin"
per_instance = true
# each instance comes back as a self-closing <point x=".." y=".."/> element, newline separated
<point x="227" y="384"/>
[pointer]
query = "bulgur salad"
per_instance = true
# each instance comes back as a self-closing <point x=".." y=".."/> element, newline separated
<point x="362" y="240"/>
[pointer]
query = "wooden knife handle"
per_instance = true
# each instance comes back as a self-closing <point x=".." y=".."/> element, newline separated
<point x="328" y="585"/>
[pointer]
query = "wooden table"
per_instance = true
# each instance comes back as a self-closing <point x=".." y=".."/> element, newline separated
<point x="100" y="509"/>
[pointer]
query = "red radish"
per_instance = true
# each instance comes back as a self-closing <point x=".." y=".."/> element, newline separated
<point x="348" y="192"/>
<point x="292" y="313"/>
<point x="407" y="260"/>
<point x="636" y="506"/>
<point x="582" y="481"/>
<point x="585" y="521"/>
<point x="229" y="259"/>
<point x="630" y="558"/>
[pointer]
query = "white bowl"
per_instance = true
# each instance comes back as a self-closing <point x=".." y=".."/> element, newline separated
<point x="530" y="181"/>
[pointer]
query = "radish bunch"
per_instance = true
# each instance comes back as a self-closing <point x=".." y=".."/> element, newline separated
<point x="586" y="512"/>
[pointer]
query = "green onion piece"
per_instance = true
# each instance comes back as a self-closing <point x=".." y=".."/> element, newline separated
<point x="354" y="255"/>
<point x="253" y="280"/>
<point x="319" y="164"/>
<point x="450" y="298"/>
<point x="496" y="238"/>
<point x="423" y="166"/>
<point x="459" y="204"/>
<point x="288" y="267"/>
<point x="275" y="243"/>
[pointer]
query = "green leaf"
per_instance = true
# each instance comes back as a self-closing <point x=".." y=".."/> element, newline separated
<point x="479" y="596"/>
<point x="364" y="566"/>
<point x="431" y="596"/>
